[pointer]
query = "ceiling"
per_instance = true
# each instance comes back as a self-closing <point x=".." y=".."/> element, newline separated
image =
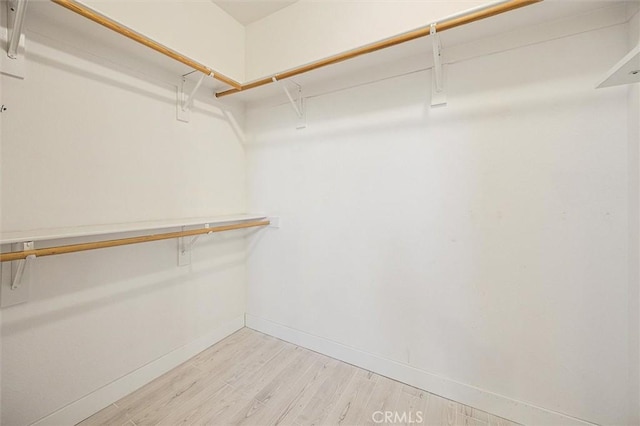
<point x="248" y="11"/>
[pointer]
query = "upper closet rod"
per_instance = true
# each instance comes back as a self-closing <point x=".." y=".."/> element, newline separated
<point x="72" y="248"/>
<point x="113" y="25"/>
<point x="452" y="21"/>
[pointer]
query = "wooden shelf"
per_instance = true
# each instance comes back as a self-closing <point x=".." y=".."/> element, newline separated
<point x="85" y="231"/>
<point x="623" y="71"/>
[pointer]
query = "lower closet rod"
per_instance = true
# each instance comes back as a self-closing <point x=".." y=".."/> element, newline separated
<point x="50" y="251"/>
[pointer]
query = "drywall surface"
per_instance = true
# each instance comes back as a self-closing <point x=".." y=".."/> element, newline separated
<point x="198" y="29"/>
<point x="634" y="225"/>
<point x="88" y="141"/>
<point x="308" y="31"/>
<point x="485" y="242"/>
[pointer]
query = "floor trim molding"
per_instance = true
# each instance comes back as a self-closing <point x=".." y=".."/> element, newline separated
<point x="108" y="394"/>
<point x="493" y="403"/>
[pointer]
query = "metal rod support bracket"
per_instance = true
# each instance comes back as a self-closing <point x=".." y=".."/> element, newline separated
<point x="12" y="62"/>
<point x="186" y="101"/>
<point x="274" y="221"/>
<point x="16" y="11"/>
<point x="187" y="104"/>
<point x="22" y="265"/>
<point x="184" y="248"/>
<point x="297" y="104"/>
<point x="438" y="94"/>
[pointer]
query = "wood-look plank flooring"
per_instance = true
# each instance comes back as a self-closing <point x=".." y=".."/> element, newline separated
<point x="253" y="379"/>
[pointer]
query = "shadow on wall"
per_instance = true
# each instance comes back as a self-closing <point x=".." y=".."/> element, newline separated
<point x="170" y="99"/>
<point x="139" y="266"/>
<point x="18" y="326"/>
<point x="396" y="104"/>
<point x="207" y="103"/>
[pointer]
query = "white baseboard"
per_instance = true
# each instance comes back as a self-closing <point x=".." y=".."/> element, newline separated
<point x="99" y="399"/>
<point x="499" y="405"/>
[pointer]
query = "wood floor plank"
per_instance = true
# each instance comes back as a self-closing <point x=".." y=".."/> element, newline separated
<point x="197" y="388"/>
<point x="474" y="413"/>
<point x="251" y="379"/>
<point x="436" y="408"/>
<point x="248" y="413"/>
<point x="411" y="406"/>
<point x="291" y="411"/>
<point x="148" y="394"/>
<point x="448" y="413"/>
<point x="327" y="395"/>
<point x="224" y="356"/>
<point x="193" y="408"/>
<point x="287" y="377"/>
<point x="221" y="355"/>
<point x="463" y="420"/>
<point x="206" y="384"/>
<point x="282" y="395"/>
<point x="259" y="356"/>
<point x="348" y="409"/>
<point x="386" y="393"/>
<point x="255" y="381"/>
<point x="220" y="408"/>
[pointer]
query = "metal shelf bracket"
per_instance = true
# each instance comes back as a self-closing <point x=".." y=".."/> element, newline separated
<point x="438" y="93"/>
<point x="186" y="101"/>
<point x="185" y="245"/>
<point x="21" y="265"/>
<point x="16" y="277"/>
<point x="297" y="104"/>
<point x="16" y="11"/>
<point x="13" y="63"/>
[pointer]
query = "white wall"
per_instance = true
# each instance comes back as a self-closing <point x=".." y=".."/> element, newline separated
<point x="299" y="33"/>
<point x="634" y="224"/>
<point x="484" y="242"/>
<point x="199" y="29"/>
<point x="87" y="140"/>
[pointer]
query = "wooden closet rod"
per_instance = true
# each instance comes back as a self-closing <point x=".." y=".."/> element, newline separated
<point x="135" y="36"/>
<point x="50" y="251"/>
<point x="403" y="38"/>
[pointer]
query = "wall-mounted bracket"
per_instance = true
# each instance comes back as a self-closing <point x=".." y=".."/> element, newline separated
<point x="274" y="221"/>
<point x="185" y="244"/>
<point x="13" y="63"/>
<point x="185" y="101"/>
<point x="21" y="265"/>
<point x="16" y="278"/>
<point x="438" y="94"/>
<point x="626" y="71"/>
<point x="16" y="11"/>
<point x="297" y="104"/>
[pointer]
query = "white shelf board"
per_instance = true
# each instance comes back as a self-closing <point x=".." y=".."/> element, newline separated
<point x="84" y="231"/>
<point x="622" y="72"/>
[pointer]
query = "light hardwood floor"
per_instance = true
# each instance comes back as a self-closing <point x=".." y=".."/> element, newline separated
<point x="253" y="379"/>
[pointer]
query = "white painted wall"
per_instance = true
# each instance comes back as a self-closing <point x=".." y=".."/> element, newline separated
<point x="485" y="242"/>
<point x="85" y="141"/>
<point x="308" y="31"/>
<point x="199" y="29"/>
<point x="634" y="224"/>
